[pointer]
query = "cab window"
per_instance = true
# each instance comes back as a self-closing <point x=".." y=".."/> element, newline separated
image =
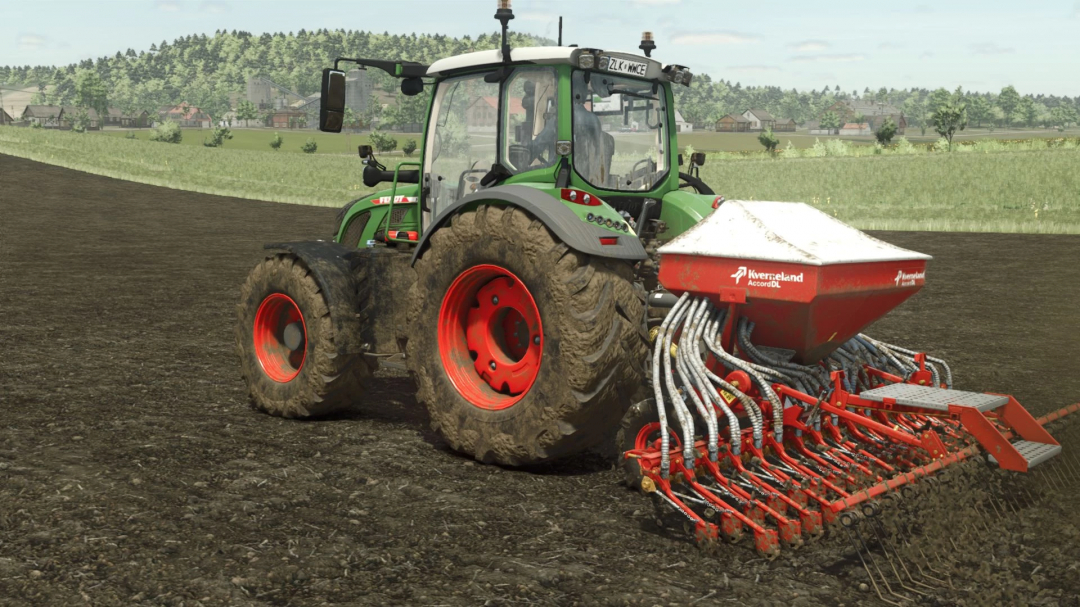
<point x="461" y="147"/>
<point x="529" y="119"/>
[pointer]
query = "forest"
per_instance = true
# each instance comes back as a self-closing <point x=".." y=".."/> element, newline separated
<point x="210" y="72"/>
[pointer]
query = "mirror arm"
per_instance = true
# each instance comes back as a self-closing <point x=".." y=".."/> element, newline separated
<point x="398" y="69"/>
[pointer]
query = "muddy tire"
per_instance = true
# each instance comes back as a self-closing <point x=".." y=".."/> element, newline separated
<point x="578" y="346"/>
<point x="285" y="341"/>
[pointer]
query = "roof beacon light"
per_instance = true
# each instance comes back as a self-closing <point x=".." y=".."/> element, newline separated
<point x="504" y="14"/>
<point x="647" y="43"/>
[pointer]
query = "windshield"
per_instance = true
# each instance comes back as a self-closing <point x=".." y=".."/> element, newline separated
<point x="620" y="132"/>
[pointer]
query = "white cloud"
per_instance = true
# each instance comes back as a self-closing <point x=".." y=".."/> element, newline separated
<point x="890" y="46"/>
<point x="168" y="6"/>
<point x="760" y="69"/>
<point x="991" y="48"/>
<point x="214" y="6"/>
<point x="835" y="58"/>
<point x="810" y="46"/>
<point x="696" y="38"/>
<point x="32" y="42"/>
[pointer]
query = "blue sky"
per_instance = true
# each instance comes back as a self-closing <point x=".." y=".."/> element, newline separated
<point x="978" y="44"/>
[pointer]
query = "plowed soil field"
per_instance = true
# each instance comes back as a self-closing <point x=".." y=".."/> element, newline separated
<point x="133" y="471"/>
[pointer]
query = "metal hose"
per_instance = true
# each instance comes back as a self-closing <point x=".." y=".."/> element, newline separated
<point x="686" y="422"/>
<point x="689" y="378"/>
<point x="764" y="385"/>
<point x="658" y="386"/>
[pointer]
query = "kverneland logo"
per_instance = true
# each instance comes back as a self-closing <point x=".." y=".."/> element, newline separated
<point x="909" y="279"/>
<point x="765" y="279"/>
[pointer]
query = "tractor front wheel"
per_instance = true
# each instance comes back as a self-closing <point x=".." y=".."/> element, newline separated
<point x="284" y="338"/>
<point x="523" y="349"/>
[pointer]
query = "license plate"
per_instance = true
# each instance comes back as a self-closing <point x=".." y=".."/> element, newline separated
<point x="625" y="66"/>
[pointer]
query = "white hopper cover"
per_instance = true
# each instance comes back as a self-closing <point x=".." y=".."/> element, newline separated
<point x="792" y="232"/>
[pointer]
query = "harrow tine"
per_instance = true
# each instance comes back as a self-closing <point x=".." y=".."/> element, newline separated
<point x="926" y="559"/>
<point x="888" y="550"/>
<point x="855" y="522"/>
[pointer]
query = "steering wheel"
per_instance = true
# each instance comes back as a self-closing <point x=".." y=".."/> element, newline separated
<point x="687" y="180"/>
<point x="633" y="175"/>
<point x="462" y="180"/>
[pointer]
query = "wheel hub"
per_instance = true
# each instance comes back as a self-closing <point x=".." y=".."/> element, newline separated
<point x="490" y="337"/>
<point x="280" y="337"/>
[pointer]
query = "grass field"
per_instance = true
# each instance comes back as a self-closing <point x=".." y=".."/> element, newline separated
<point x="710" y="141"/>
<point x="993" y="191"/>
<point x="259" y="139"/>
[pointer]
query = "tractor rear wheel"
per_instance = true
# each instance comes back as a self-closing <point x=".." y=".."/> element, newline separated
<point x="285" y="341"/>
<point x="523" y="349"/>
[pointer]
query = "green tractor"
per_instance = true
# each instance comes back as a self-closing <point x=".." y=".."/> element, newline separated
<point x="510" y="264"/>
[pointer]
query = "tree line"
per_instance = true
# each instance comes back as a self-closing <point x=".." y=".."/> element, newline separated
<point x="708" y="100"/>
<point x="211" y="71"/>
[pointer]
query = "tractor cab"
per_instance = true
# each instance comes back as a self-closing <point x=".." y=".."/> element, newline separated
<point x="554" y="118"/>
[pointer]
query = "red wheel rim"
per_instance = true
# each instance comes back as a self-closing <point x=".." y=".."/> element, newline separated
<point x="279" y="324"/>
<point x="649" y="438"/>
<point x="490" y="337"/>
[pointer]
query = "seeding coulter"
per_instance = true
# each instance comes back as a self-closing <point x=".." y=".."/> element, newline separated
<point x="546" y="268"/>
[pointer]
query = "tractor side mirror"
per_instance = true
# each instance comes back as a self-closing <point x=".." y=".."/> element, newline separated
<point x="680" y="160"/>
<point x="412" y="86"/>
<point x="365" y="151"/>
<point x="332" y="101"/>
<point x="698" y="158"/>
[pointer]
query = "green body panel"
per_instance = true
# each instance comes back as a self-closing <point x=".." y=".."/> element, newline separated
<point x="378" y="210"/>
<point x="681" y="210"/>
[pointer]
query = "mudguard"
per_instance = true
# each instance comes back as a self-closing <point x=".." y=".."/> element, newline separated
<point x="577" y="234"/>
<point x="332" y="266"/>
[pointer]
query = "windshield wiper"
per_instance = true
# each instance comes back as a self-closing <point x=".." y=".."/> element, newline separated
<point x="632" y="94"/>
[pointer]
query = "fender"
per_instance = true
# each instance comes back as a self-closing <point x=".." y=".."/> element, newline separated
<point x="577" y="234"/>
<point x="332" y="266"/>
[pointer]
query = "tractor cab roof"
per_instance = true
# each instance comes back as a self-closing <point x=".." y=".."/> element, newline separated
<point x="632" y="64"/>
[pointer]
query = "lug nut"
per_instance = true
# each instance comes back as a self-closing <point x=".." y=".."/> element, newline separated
<point x="536" y="340"/>
<point x="495" y="301"/>
<point x="492" y="365"/>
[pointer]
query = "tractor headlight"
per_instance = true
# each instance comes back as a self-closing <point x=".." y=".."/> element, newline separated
<point x="586" y="61"/>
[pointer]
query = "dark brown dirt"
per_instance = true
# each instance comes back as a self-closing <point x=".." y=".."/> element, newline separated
<point x="133" y="471"/>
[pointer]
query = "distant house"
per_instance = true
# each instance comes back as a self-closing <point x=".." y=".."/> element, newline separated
<point x="288" y="118"/>
<point x="4" y="118"/>
<point x="784" y="125"/>
<point x="760" y="120"/>
<point x="856" y="128"/>
<point x="483" y="113"/>
<point x="185" y="115"/>
<point x="873" y="113"/>
<point x="682" y="126"/>
<point x="733" y="123"/>
<point x="71" y="114"/>
<point x="138" y="120"/>
<point x="47" y="116"/>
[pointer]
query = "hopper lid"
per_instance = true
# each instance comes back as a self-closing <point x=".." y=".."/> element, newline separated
<point x="792" y="232"/>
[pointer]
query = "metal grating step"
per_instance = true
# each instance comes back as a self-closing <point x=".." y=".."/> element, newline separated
<point x="1034" y="453"/>
<point x="937" y="399"/>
